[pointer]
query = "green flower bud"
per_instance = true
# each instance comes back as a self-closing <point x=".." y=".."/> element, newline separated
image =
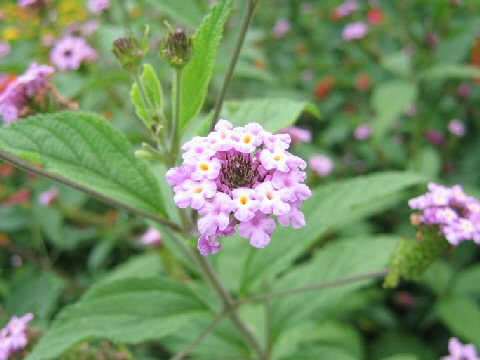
<point x="128" y="52"/>
<point x="177" y="48"/>
<point x="411" y="258"/>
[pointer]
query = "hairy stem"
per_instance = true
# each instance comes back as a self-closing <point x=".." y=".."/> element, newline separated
<point x="233" y="61"/>
<point x="229" y="304"/>
<point x="24" y="165"/>
<point x="175" y="134"/>
<point x="324" y="285"/>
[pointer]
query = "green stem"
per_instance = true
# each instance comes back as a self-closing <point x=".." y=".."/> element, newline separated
<point x="302" y="289"/>
<point x="233" y="61"/>
<point x="174" y="131"/>
<point x="229" y="304"/>
<point x="24" y="165"/>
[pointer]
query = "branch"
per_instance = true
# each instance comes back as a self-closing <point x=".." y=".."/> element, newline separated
<point x="302" y="289"/>
<point x="26" y="166"/>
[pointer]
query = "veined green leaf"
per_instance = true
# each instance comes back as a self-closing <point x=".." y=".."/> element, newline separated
<point x="273" y="114"/>
<point x="86" y="149"/>
<point x="198" y="72"/>
<point x="339" y="260"/>
<point x="154" y="94"/>
<point x="127" y="311"/>
<point x="451" y="71"/>
<point x="329" y="207"/>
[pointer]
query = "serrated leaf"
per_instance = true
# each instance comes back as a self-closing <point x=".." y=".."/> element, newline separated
<point x="273" y="114"/>
<point x="341" y="259"/>
<point x="329" y="207"/>
<point x="126" y="311"/>
<point x="154" y="94"/>
<point x="389" y="101"/>
<point x="197" y="73"/>
<point x="462" y="316"/>
<point x="86" y="149"/>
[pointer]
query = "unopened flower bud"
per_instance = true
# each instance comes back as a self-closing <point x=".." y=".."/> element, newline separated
<point x="177" y="48"/>
<point x="128" y="52"/>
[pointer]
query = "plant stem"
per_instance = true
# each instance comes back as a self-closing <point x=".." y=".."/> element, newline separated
<point x="229" y="304"/>
<point x="200" y="337"/>
<point x="24" y="165"/>
<point x="314" y="287"/>
<point x="233" y="61"/>
<point x="174" y="131"/>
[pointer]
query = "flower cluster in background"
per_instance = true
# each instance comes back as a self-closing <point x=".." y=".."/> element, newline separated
<point x="240" y="176"/>
<point x="459" y="351"/>
<point x="456" y="214"/>
<point x="14" y="99"/>
<point x="14" y="336"/>
<point x="70" y="52"/>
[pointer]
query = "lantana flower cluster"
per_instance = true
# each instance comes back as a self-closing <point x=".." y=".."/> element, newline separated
<point x="18" y="92"/>
<point x="240" y="176"/>
<point x="459" y="351"/>
<point x="70" y="52"/>
<point x="13" y="336"/>
<point x="456" y="214"/>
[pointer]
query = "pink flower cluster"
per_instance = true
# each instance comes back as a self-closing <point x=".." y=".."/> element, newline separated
<point x="240" y="176"/>
<point x="98" y="6"/>
<point x="458" y="351"/>
<point x="22" y="89"/>
<point x="456" y="214"/>
<point x="13" y="337"/>
<point x="70" y="52"/>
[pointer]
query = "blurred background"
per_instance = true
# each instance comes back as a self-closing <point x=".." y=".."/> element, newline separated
<point x="396" y="83"/>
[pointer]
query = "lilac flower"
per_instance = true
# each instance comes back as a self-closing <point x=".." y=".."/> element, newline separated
<point x="355" y="31"/>
<point x="98" y="6"/>
<point x="240" y="176"/>
<point x="18" y="92"/>
<point x="151" y="237"/>
<point x="4" y="49"/>
<point x="32" y="3"/>
<point x="48" y="197"/>
<point x="363" y="131"/>
<point x="281" y="28"/>
<point x="321" y="164"/>
<point x="70" y="52"/>
<point x="297" y="134"/>
<point x="13" y="337"/>
<point x="458" y="351"/>
<point x="89" y="28"/>
<point x="346" y="9"/>
<point x="456" y="214"/>
<point x="457" y="127"/>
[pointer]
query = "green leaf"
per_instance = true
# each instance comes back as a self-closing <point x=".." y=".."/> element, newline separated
<point x="315" y="352"/>
<point x="186" y="12"/>
<point x="451" y="71"/>
<point x="273" y="114"/>
<point x="86" y="149"/>
<point x="127" y="311"/>
<point x="466" y="283"/>
<point x="462" y="316"/>
<point x="389" y="100"/>
<point x="341" y="259"/>
<point x="197" y="73"/>
<point x="329" y="207"/>
<point x="399" y="63"/>
<point x="154" y="94"/>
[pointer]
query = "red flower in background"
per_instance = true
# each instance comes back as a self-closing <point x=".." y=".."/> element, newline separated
<point x="362" y="82"/>
<point x="324" y="86"/>
<point x="376" y="16"/>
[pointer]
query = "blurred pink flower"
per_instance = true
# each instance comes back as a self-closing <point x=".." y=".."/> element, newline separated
<point x="458" y="351"/>
<point x="435" y="137"/>
<point x="345" y="9"/>
<point x="298" y="135"/>
<point x="48" y="197"/>
<point x="464" y="90"/>
<point x="355" y="31"/>
<point x="151" y="237"/>
<point x="90" y="27"/>
<point x="363" y="131"/>
<point x="321" y="164"/>
<point x="457" y="127"/>
<point x="98" y="6"/>
<point x="281" y="28"/>
<point x="4" y="49"/>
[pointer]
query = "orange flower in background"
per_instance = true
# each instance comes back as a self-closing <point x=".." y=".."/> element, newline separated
<point x="376" y="16"/>
<point x="324" y="86"/>
<point x="362" y="82"/>
<point x="476" y="52"/>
